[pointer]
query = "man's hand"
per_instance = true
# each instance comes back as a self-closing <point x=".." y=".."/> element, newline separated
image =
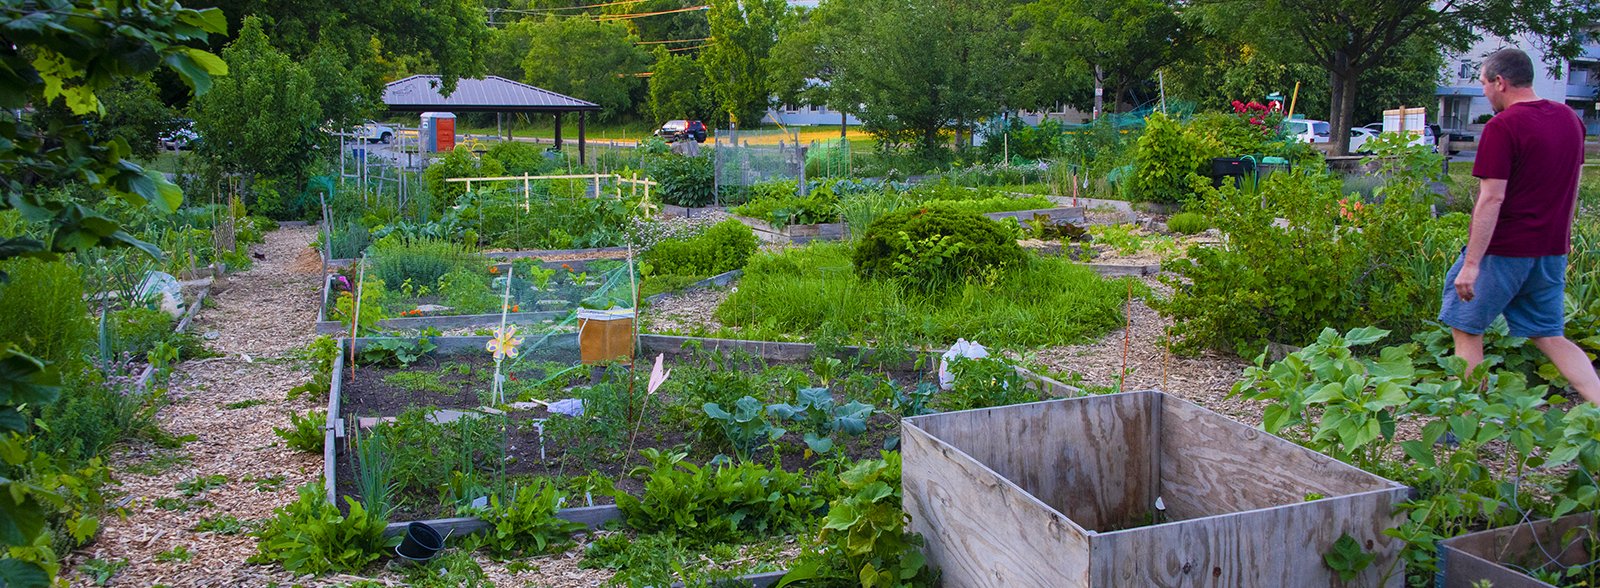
<point x="1465" y="281"/>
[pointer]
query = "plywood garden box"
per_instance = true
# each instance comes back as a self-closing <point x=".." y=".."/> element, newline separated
<point x="1500" y="555"/>
<point x="1065" y="493"/>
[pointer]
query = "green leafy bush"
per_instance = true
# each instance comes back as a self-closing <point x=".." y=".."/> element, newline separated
<point x="526" y="523"/>
<point x="554" y="222"/>
<point x="135" y="331"/>
<point x="1284" y="284"/>
<point x="1166" y="162"/>
<point x="683" y="181"/>
<point x="419" y="261"/>
<point x="42" y="310"/>
<point x="983" y="383"/>
<point x="716" y="504"/>
<point x="306" y="432"/>
<point x="1188" y="223"/>
<point x="458" y="163"/>
<point x="724" y="247"/>
<point x="864" y="541"/>
<point x="309" y="536"/>
<point x="931" y="248"/>
<point x="780" y="204"/>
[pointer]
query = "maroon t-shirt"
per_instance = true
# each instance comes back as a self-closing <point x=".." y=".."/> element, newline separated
<point x="1537" y="147"/>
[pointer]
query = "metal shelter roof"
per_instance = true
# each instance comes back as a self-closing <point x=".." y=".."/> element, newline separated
<point x="488" y="94"/>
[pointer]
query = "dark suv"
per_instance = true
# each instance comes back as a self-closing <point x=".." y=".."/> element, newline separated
<point x="680" y="130"/>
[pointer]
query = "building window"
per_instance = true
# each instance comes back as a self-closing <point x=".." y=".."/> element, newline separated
<point x="1467" y="70"/>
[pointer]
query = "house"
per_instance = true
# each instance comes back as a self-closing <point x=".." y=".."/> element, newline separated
<point x="1461" y="101"/>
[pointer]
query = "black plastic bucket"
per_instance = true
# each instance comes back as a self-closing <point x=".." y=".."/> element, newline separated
<point x="421" y="543"/>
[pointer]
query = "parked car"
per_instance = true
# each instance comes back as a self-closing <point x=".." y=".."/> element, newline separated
<point x="1359" y="137"/>
<point x="180" y="135"/>
<point x="679" y="130"/>
<point x="1309" y="131"/>
<point x="375" y="132"/>
<point x="1430" y="136"/>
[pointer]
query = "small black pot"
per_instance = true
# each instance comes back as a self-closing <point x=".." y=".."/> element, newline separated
<point x="421" y="543"/>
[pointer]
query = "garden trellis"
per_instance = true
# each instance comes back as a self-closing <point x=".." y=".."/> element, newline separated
<point x="633" y="181"/>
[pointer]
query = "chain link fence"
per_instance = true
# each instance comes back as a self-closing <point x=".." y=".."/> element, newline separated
<point x="744" y="158"/>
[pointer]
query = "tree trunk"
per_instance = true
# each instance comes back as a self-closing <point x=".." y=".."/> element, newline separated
<point x="1342" y="104"/>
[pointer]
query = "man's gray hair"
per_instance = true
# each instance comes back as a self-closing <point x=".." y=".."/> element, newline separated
<point x="1512" y="64"/>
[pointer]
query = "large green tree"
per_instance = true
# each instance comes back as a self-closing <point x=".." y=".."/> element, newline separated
<point x="445" y="37"/>
<point x="679" y="89"/>
<point x="587" y="59"/>
<point x="1118" y="44"/>
<point x="743" y="33"/>
<point x="807" y="58"/>
<point x="1350" y="38"/>
<point x="264" y="118"/>
<point x="913" y="70"/>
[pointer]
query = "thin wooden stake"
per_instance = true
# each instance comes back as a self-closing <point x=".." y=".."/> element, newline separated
<point x="1127" y="335"/>
<point x="355" y="314"/>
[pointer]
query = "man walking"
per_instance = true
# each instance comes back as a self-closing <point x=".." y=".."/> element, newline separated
<point x="1530" y="159"/>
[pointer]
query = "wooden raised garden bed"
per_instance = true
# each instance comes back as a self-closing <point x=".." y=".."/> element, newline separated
<point x="1064" y="493"/>
<point x="1500" y="555"/>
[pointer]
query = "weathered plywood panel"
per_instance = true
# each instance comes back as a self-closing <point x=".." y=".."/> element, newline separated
<point x="981" y="530"/>
<point x="1089" y="458"/>
<point x="1280" y="546"/>
<point x="1212" y="465"/>
<point x="1479" y="556"/>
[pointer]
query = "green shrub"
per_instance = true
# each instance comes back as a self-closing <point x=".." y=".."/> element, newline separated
<point x="1166" y="161"/>
<point x="932" y="247"/>
<point x="864" y="540"/>
<point x="350" y="240"/>
<point x="419" y="262"/>
<point x="42" y="310"/>
<point x="780" y="204"/>
<point x="517" y="158"/>
<point x="556" y="221"/>
<point x="1285" y="284"/>
<point x="92" y="414"/>
<point x="458" y="163"/>
<point x="683" y="181"/>
<point x="309" y="536"/>
<point x="724" y="247"/>
<point x="983" y="383"/>
<point x="1188" y="223"/>
<point x="135" y="331"/>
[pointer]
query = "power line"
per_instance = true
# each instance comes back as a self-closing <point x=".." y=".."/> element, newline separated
<point x="613" y="17"/>
<point x="672" y="41"/>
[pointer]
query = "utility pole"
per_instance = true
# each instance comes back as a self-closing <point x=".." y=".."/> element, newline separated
<point x="1099" y="91"/>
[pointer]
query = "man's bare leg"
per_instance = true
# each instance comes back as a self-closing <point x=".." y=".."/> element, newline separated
<point x="1573" y="363"/>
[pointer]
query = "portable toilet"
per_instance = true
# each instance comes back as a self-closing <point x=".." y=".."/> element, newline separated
<point x="438" y="132"/>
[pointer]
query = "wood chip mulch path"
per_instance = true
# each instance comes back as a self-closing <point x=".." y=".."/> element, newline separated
<point x="256" y="320"/>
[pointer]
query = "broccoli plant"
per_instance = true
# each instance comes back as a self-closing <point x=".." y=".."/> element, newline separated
<point x="746" y="427"/>
<point x="815" y="409"/>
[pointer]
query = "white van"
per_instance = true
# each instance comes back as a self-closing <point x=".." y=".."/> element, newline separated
<point x="1309" y="131"/>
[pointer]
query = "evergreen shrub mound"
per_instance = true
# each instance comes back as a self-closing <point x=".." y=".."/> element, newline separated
<point x="932" y="247"/>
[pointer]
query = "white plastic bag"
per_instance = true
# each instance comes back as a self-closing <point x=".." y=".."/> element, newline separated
<point x="165" y="287"/>
<point x="962" y="349"/>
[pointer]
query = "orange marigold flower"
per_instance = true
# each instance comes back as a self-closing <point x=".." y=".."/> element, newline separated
<point x="566" y="267"/>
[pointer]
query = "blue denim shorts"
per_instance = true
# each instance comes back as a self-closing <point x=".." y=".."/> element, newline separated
<point x="1528" y="290"/>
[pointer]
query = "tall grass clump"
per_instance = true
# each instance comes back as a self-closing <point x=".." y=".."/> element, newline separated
<point x="421" y="262"/>
<point x="42" y="310"/>
<point x="814" y="290"/>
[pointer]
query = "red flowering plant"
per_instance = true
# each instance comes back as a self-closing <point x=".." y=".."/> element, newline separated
<point x="1264" y="118"/>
